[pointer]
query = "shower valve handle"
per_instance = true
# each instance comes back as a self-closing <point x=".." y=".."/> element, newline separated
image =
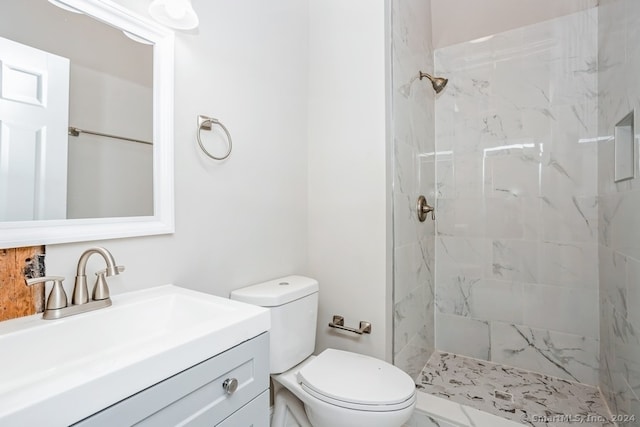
<point x="424" y="208"/>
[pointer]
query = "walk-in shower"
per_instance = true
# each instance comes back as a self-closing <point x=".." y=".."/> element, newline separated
<point x="533" y="262"/>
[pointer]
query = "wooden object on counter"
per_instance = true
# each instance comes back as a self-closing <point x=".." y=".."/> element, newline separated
<point x="16" y="298"/>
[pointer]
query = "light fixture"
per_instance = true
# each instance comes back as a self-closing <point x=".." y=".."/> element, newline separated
<point x="178" y="14"/>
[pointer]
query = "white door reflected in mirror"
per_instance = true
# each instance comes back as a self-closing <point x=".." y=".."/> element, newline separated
<point x="34" y="112"/>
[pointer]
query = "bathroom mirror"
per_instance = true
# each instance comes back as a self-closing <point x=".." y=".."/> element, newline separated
<point x="87" y="87"/>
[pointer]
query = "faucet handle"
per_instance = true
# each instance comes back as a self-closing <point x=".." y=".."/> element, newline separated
<point x="57" y="297"/>
<point x="119" y="269"/>
<point x="100" y="289"/>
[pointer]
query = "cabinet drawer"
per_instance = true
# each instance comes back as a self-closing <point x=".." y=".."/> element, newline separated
<point x="253" y="414"/>
<point x="196" y="396"/>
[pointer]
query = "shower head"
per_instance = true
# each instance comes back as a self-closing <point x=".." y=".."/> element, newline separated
<point x="438" y="83"/>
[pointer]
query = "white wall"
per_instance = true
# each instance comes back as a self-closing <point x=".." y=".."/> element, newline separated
<point x="243" y="220"/>
<point x="458" y="21"/>
<point x="348" y="201"/>
<point x="301" y="87"/>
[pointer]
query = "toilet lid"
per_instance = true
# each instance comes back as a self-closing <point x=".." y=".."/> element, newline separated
<point x="355" y="380"/>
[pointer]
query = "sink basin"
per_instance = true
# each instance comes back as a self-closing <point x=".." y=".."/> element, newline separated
<point x="57" y="372"/>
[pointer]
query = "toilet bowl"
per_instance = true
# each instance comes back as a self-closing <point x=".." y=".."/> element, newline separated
<point x="335" y="392"/>
<point x="335" y="388"/>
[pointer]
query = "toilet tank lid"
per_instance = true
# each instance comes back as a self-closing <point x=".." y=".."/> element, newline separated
<point x="276" y="292"/>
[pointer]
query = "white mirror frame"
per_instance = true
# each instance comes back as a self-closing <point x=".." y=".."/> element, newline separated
<point x="31" y="233"/>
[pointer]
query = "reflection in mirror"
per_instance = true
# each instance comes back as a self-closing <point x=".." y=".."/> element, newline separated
<point x="83" y="74"/>
<point x="86" y="118"/>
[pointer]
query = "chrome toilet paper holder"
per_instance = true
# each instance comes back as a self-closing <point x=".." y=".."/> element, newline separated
<point x="338" y="323"/>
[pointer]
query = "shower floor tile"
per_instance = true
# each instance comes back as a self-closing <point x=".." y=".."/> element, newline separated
<point x="523" y="396"/>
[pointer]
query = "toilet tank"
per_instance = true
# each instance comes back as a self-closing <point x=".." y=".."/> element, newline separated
<point x="293" y="303"/>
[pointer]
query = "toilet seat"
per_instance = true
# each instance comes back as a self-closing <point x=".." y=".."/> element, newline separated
<point x="356" y="381"/>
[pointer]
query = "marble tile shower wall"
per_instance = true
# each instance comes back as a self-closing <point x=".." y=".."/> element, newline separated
<point x="517" y="233"/>
<point x="414" y="174"/>
<point x="619" y="204"/>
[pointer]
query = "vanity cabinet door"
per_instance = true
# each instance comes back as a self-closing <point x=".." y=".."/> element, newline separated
<point x="197" y="396"/>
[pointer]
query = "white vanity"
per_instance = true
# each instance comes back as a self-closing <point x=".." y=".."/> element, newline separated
<point x="160" y="356"/>
<point x="230" y="389"/>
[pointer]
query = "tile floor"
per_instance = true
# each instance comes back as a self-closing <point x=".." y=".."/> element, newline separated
<point x="515" y="394"/>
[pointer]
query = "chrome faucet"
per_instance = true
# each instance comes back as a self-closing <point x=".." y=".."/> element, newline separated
<point x="80" y="291"/>
<point x="57" y="307"/>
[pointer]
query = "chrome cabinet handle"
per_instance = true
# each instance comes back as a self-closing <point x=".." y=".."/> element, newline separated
<point x="230" y="385"/>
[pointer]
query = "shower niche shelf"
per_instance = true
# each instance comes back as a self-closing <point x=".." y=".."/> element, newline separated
<point x="624" y="149"/>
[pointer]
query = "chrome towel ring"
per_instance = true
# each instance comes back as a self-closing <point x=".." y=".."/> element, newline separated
<point x="207" y="123"/>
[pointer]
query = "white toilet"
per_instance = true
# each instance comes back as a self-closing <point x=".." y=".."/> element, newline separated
<point x="337" y="388"/>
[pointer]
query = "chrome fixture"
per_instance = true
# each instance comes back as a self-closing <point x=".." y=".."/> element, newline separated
<point x="57" y="297"/>
<point x="80" y="291"/>
<point x="438" y="83"/>
<point x="338" y="323"/>
<point x="206" y="123"/>
<point x="100" y="289"/>
<point x="424" y="208"/>
<point x="230" y="385"/>
<point x="74" y="131"/>
<point x="57" y="305"/>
